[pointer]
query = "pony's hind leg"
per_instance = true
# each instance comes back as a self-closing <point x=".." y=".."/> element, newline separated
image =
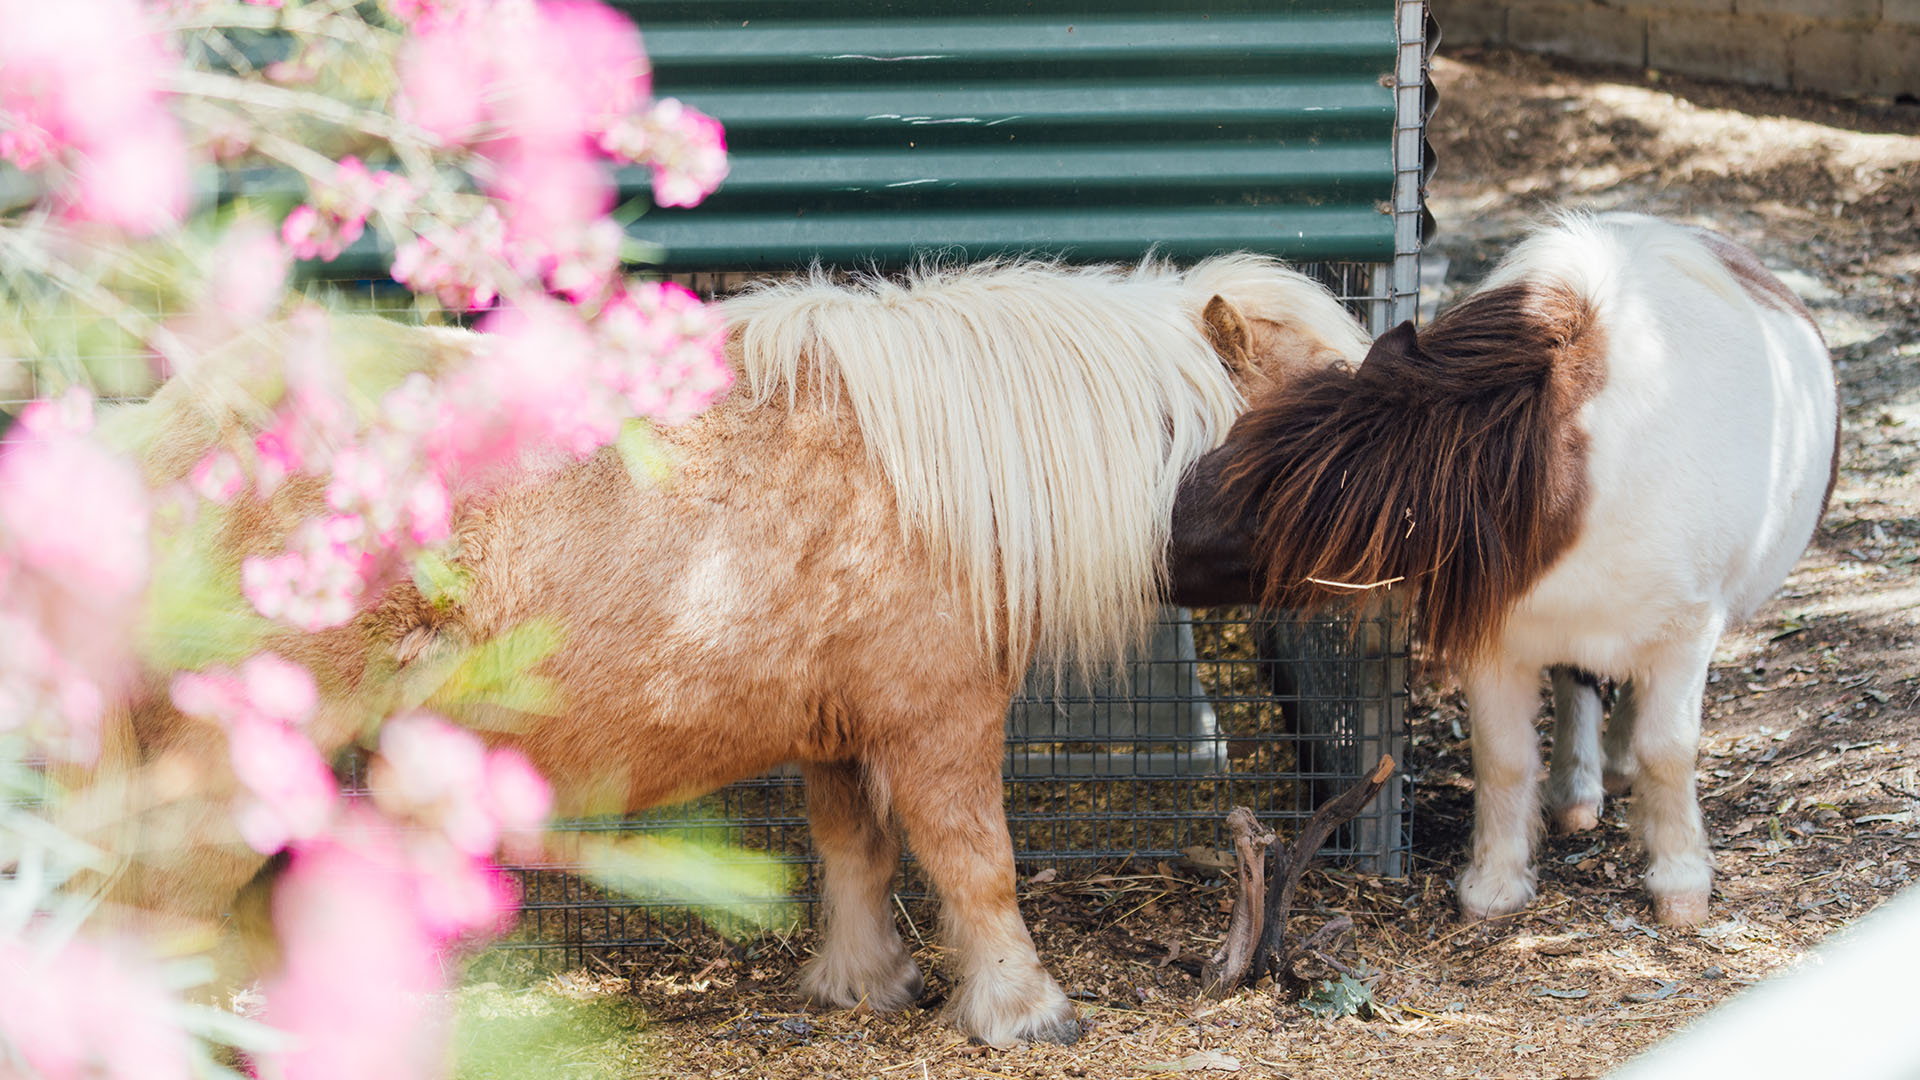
<point x="946" y="789"/>
<point x="1574" y="793"/>
<point x="1502" y="699"/>
<point x="1666" y="811"/>
<point x="1617" y="776"/>
<point x="861" y="957"/>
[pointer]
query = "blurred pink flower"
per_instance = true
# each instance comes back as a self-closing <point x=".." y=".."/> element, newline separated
<point x="528" y="395"/>
<point x="218" y="477"/>
<point x="56" y="702"/>
<point x="663" y="351"/>
<point x="71" y="509"/>
<point x="686" y="148"/>
<point x="359" y="965"/>
<point x="279" y="689"/>
<point x="81" y="85"/>
<point x="319" y="582"/>
<point x="86" y="1010"/>
<point x="440" y="774"/>
<point x="531" y="88"/>
<point x="459" y="266"/>
<point x="292" y="789"/>
<point x="338" y="214"/>
<point x="519" y="797"/>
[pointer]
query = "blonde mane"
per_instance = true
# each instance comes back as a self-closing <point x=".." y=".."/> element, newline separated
<point x="1033" y="419"/>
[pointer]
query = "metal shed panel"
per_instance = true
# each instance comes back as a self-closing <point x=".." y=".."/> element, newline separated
<point x="876" y="131"/>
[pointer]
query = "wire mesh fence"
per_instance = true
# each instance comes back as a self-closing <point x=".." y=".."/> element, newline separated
<point x="1229" y="708"/>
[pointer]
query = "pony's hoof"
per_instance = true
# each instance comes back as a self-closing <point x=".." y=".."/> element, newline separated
<point x="1680" y="909"/>
<point x="1616" y="784"/>
<point x="832" y="986"/>
<point x="1576" y="819"/>
<point x="1488" y="896"/>
<point x="1015" y="1011"/>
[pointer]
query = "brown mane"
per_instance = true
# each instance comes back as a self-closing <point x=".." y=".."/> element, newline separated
<point x="1449" y="462"/>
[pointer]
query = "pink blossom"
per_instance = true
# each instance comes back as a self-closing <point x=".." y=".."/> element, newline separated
<point x="581" y="263"/>
<point x="531" y="88"/>
<point x="85" y="1010"/>
<point x="211" y="695"/>
<point x="459" y="266"/>
<point x="359" y="965"/>
<point x="292" y="788"/>
<point x="338" y="215"/>
<point x="663" y="351"/>
<point x="54" y="699"/>
<point x="279" y="689"/>
<point x="72" y="509"/>
<point x="529" y="393"/>
<point x="319" y="582"/>
<point x="434" y="772"/>
<point x="429" y="511"/>
<point x="290" y="791"/>
<point x="81" y="83"/>
<point x="686" y="148"/>
<point x="461" y="895"/>
<point x="218" y="477"/>
<point x="519" y="797"/>
<point x="303" y="233"/>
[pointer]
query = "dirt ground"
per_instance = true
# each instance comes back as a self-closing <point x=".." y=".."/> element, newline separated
<point x="1810" y="768"/>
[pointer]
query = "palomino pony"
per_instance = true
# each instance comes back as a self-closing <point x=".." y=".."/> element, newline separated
<point x="1615" y="448"/>
<point x="912" y="491"/>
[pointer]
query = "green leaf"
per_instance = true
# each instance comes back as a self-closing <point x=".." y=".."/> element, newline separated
<point x="749" y="887"/>
<point x="648" y="462"/>
<point x="441" y="582"/>
<point x="1346" y="997"/>
<point x="499" y="673"/>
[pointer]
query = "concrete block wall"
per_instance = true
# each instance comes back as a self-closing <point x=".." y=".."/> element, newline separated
<point x="1847" y="47"/>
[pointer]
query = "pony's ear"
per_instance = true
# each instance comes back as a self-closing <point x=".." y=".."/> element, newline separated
<point x="1228" y="333"/>
<point x="1396" y="344"/>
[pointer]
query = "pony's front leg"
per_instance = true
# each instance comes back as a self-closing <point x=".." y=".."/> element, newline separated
<point x="1502" y="699"/>
<point x="861" y="958"/>
<point x="1574" y="793"/>
<point x="1666" y="811"/>
<point x="946" y="789"/>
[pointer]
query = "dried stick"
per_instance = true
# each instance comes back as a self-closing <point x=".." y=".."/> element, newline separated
<point x="1227" y="969"/>
<point x="1273" y="957"/>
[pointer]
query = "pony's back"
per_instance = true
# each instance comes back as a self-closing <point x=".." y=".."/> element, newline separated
<point x="1711" y="442"/>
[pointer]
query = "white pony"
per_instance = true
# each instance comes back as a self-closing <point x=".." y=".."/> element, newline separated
<point x="1611" y="451"/>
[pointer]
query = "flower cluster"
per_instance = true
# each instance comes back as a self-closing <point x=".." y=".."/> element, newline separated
<point x="548" y="94"/>
<point x="463" y="266"/>
<point x="85" y="1008"/>
<point x="264" y="707"/>
<point x="433" y="772"/>
<point x="74" y="517"/>
<point x="338" y="213"/>
<point x="686" y="149"/>
<point x="80" y="98"/>
<point x="662" y="351"/>
<point x="503" y="207"/>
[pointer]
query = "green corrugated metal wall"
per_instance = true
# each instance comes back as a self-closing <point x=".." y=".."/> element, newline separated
<point x="873" y="131"/>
